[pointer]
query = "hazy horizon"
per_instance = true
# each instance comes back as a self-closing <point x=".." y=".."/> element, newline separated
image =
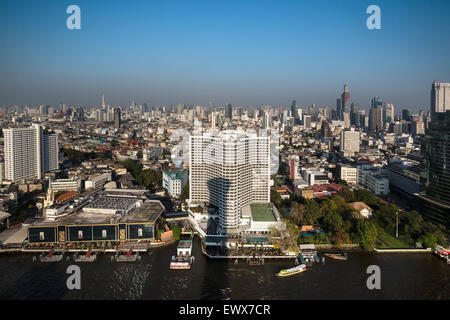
<point x="247" y="53"/>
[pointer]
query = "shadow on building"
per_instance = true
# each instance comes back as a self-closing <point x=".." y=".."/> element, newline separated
<point x="215" y="276"/>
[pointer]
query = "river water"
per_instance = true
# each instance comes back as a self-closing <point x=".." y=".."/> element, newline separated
<point x="403" y="276"/>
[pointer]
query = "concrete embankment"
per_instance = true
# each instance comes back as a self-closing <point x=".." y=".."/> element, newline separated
<point x="404" y="250"/>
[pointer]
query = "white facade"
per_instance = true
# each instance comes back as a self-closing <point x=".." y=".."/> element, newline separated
<point x="440" y="97"/>
<point x="373" y="178"/>
<point x="29" y="153"/>
<point x="347" y="173"/>
<point x="377" y="184"/>
<point x="350" y="141"/>
<point x="315" y="177"/>
<point x="229" y="169"/>
<point x="66" y="185"/>
<point x="98" y="181"/>
<point x="2" y="171"/>
<point x="174" y="182"/>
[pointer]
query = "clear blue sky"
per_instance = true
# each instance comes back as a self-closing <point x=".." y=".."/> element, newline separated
<point x="247" y="52"/>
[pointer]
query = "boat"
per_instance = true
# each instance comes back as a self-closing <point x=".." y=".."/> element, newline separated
<point x="51" y="257"/>
<point x="309" y="257"/>
<point x="128" y="257"/>
<point x="180" y="262"/>
<point x="337" y="256"/>
<point x="255" y="261"/>
<point x="289" y="272"/>
<point x="88" y="257"/>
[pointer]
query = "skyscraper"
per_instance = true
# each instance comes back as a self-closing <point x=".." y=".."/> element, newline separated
<point x="376" y="116"/>
<point x="229" y="169"/>
<point x="406" y="114"/>
<point x="339" y="109"/>
<point x="229" y="112"/>
<point x="213" y="120"/>
<point x="440" y="97"/>
<point x="354" y="116"/>
<point x="29" y="153"/>
<point x="117" y="120"/>
<point x="434" y="203"/>
<point x="389" y="113"/>
<point x="377" y="102"/>
<point x="350" y="140"/>
<point x="294" y="113"/>
<point x="267" y="119"/>
<point x="345" y="97"/>
<point x="103" y="102"/>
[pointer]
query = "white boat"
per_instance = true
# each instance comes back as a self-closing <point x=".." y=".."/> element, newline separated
<point x="289" y="272"/>
<point x="88" y="257"/>
<point x="128" y="257"/>
<point x="181" y="262"/>
<point x="51" y="257"/>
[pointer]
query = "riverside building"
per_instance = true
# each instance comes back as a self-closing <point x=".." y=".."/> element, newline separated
<point x="434" y="203"/>
<point x="229" y="170"/>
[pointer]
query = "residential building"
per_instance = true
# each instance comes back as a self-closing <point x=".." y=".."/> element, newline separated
<point x="350" y="140"/>
<point x="230" y="170"/>
<point x="29" y="153"/>
<point x="347" y="173"/>
<point x="174" y="182"/>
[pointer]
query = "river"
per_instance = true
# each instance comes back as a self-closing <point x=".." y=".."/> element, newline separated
<point x="403" y="276"/>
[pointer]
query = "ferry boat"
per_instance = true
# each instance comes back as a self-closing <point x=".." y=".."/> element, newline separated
<point x="51" y="257"/>
<point x="181" y="262"/>
<point x="443" y="253"/>
<point x="128" y="257"/>
<point x="289" y="272"/>
<point x="337" y="256"/>
<point x="88" y="257"/>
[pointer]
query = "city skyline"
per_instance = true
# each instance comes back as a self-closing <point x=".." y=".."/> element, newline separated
<point x="246" y="54"/>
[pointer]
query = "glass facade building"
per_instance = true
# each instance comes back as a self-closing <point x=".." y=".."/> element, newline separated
<point x="434" y="203"/>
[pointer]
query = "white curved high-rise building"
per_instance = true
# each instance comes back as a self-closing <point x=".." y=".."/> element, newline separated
<point x="229" y="169"/>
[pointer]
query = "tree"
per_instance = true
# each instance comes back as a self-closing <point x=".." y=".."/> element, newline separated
<point x="333" y="221"/>
<point x="428" y="240"/>
<point x="367" y="234"/>
<point x="365" y="196"/>
<point x="275" y="198"/>
<point x="341" y="238"/>
<point x="312" y="212"/>
<point x="297" y="212"/>
<point x="185" y="192"/>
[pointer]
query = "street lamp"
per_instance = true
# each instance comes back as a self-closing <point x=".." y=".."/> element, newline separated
<point x="396" y="228"/>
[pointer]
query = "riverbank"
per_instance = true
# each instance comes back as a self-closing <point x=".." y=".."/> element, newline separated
<point x="126" y="248"/>
<point x="403" y="250"/>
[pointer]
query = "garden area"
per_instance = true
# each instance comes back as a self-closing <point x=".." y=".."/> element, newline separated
<point x="342" y="225"/>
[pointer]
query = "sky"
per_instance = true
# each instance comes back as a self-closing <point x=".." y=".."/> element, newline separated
<point x="246" y="52"/>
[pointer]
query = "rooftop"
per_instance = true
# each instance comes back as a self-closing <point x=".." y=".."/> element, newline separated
<point x="262" y="212"/>
<point x="175" y="174"/>
<point x="104" y="202"/>
<point x="149" y="211"/>
<point x="359" y="205"/>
